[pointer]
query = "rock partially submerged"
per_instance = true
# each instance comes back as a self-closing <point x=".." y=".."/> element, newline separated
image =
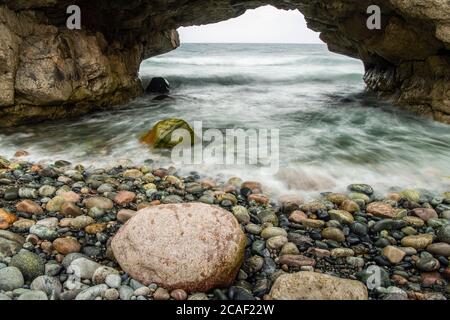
<point x="158" y="85"/>
<point x="194" y="247"/>
<point x="160" y="137"/>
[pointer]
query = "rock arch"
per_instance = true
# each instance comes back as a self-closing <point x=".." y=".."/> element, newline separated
<point x="49" y="72"/>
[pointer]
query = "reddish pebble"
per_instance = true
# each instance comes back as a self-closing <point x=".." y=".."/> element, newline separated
<point x="124" y="197"/>
<point x="179" y="294"/>
<point x="29" y="206"/>
<point x="297" y="216"/>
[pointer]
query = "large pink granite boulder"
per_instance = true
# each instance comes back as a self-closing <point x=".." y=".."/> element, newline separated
<point x="190" y="246"/>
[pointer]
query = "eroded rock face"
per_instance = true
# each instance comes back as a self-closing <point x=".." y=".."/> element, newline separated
<point x="194" y="247"/>
<point x="47" y="71"/>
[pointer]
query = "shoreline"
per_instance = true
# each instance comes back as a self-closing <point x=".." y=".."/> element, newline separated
<point x="46" y="223"/>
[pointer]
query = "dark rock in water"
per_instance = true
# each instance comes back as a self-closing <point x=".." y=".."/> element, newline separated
<point x="158" y="85"/>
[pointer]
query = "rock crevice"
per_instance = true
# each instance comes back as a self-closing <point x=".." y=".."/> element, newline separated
<point x="49" y="72"/>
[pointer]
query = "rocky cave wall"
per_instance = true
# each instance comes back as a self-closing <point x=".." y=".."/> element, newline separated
<point x="50" y="72"/>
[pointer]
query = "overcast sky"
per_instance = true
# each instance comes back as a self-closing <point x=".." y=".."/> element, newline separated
<point x="263" y="25"/>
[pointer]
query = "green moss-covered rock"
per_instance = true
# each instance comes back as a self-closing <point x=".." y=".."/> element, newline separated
<point x="29" y="263"/>
<point x="160" y="137"/>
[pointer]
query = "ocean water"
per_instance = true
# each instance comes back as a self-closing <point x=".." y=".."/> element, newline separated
<point x="332" y="132"/>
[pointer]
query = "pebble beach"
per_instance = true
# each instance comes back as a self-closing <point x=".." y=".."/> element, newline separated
<point x="57" y="223"/>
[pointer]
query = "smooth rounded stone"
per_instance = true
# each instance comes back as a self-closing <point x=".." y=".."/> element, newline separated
<point x="342" y="216"/>
<point x="111" y="294"/>
<point x="28" y="193"/>
<point x="374" y="276"/>
<point x="95" y="228"/>
<point x="443" y="234"/>
<point x="425" y="213"/>
<point x="178" y="294"/>
<point x="253" y="228"/>
<point x="99" y="202"/>
<point x="393" y="293"/>
<point x="336" y="198"/>
<point x="410" y="251"/>
<point x="241" y="214"/>
<point x="393" y="254"/>
<point x="409" y="231"/>
<point x="125" y="214"/>
<point x="113" y="280"/>
<point x="342" y="252"/>
<point x="420" y="241"/>
<point x="296" y="260"/>
<point x="381" y="210"/>
<point x="333" y="234"/>
<point x="268" y="216"/>
<point x="437" y="223"/>
<point x="68" y="195"/>
<point x="66" y="245"/>
<point x="411" y="195"/>
<point x="69" y="209"/>
<point x="357" y="196"/>
<point x="101" y="273"/>
<point x="47" y="191"/>
<point x="81" y="222"/>
<point x="276" y="242"/>
<point x="290" y="203"/>
<point x="428" y="264"/>
<point x="439" y="249"/>
<point x="105" y="187"/>
<point x="350" y="206"/>
<point x="359" y="229"/>
<point x="198" y="296"/>
<point x="388" y="224"/>
<point x="205" y="250"/>
<point x="356" y="262"/>
<point x="172" y="199"/>
<point x="361" y="188"/>
<point x="124" y="197"/>
<point x="55" y="204"/>
<point x="29" y="206"/>
<point x="289" y="248"/>
<point x="96" y="213"/>
<point x="297" y="216"/>
<point x="313" y="206"/>
<point x="161" y="294"/>
<point x="142" y="291"/>
<point x="23" y="225"/>
<point x="11" y="278"/>
<point x="43" y="232"/>
<point x="313" y="223"/>
<point x="52" y="268"/>
<point x="33" y="295"/>
<point x="271" y="232"/>
<point x="51" y="223"/>
<point x="316" y="286"/>
<point x="83" y="268"/>
<point x="11" y="194"/>
<point x="125" y="292"/>
<point x="92" y="292"/>
<point x="253" y="264"/>
<point x="414" y="221"/>
<point x="207" y="199"/>
<point x="50" y="285"/>
<point x="29" y="263"/>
